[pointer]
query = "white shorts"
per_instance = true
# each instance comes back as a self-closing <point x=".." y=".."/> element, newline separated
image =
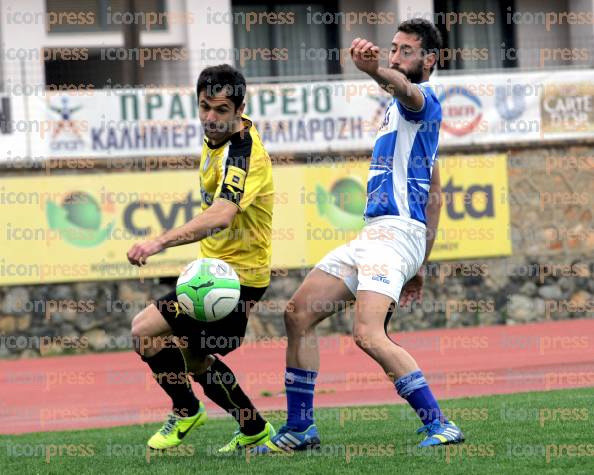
<point x="386" y="254"/>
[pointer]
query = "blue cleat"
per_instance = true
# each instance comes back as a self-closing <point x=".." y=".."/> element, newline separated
<point x="288" y="440"/>
<point x="441" y="433"/>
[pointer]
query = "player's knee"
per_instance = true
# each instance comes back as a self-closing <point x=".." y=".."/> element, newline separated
<point x="139" y="334"/>
<point x="297" y="320"/>
<point x="360" y="336"/>
<point x="136" y="327"/>
<point x="367" y="338"/>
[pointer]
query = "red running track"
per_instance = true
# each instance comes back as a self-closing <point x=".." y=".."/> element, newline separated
<point x="102" y="390"/>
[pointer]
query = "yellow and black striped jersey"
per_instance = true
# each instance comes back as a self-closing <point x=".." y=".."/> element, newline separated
<point x="240" y="171"/>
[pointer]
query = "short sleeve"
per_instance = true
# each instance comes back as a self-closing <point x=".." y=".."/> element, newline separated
<point x="430" y="103"/>
<point x="256" y="179"/>
<point x="236" y="166"/>
<point x="243" y="174"/>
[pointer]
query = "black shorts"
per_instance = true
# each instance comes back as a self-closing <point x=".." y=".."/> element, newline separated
<point x="206" y="338"/>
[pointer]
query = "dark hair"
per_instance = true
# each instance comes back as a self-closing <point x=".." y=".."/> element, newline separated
<point x="222" y="78"/>
<point x="430" y="36"/>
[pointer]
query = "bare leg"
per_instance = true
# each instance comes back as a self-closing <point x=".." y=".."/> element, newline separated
<point x="318" y="297"/>
<point x="370" y="335"/>
<point x="149" y="330"/>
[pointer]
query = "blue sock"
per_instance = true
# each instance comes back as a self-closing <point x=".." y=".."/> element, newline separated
<point x="414" y="388"/>
<point x="300" y="384"/>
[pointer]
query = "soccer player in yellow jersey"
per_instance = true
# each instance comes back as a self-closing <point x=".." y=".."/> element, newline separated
<point x="235" y="225"/>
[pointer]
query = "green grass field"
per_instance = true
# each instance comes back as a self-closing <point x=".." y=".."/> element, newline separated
<point x="519" y="433"/>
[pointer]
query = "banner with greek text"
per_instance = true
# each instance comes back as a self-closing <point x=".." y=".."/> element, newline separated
<point x="303" y="118"/>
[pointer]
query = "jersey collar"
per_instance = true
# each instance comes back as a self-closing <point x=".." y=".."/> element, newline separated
<point x="236" y="137"/>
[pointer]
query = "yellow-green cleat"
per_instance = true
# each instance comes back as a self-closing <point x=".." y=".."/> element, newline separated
<point x="172" y="433"/>
<point x="242" y="441"/>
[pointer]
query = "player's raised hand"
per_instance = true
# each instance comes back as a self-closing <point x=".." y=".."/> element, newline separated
<point x="412" y="291"/>
<point x="365" y="55"/>
<point x="141" y="251"/>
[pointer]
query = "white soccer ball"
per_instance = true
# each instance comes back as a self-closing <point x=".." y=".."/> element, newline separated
<point x="208" y="289"/>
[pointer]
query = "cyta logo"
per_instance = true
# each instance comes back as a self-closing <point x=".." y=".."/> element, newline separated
<point x="78" y="220"/>
<point x="477" y="200"/>
<point x="344" y="204"/>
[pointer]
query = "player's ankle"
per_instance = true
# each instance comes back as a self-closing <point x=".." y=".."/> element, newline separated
<point x="188" y="410"/>
<point x="253" y="427"/>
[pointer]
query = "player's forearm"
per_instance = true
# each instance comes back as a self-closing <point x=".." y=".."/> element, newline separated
<point x="433" y="209"/>
<point x="203" y="225"/>
<point x="396" y="84"/>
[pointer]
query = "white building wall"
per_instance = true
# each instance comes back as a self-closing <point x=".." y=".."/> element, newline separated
<point x="358" y="30"/>
<point x="22" y="42"/>
<point x="415" y="8"/>
<point x="385" y="33"/>
<point x="210" y="33"/>
<point x="196" y="34"/>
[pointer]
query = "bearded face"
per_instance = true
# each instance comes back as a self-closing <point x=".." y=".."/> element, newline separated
<point x="406" y="56"/>
<point x="414" y="73"/>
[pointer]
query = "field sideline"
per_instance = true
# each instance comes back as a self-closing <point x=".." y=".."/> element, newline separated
<point x="519" y="433"/>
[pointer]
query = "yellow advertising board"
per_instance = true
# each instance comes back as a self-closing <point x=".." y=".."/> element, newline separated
<point x="474" y="220"/>
<point x="78" y="227"/>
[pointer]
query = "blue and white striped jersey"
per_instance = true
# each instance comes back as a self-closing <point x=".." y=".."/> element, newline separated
<point x="403" y="155"/>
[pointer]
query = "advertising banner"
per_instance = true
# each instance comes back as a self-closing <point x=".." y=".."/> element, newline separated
<point x="71" y="228"/>
<point x="303" y="118"/>
<point x="14" y="130"/>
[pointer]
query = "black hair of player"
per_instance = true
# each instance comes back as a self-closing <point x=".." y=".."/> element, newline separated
<point x="428" y="33"/>
<point x="222" y="78"/>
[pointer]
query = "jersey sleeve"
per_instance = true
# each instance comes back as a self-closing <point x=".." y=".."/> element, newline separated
<point x="430" y="103"/>
<point x="243" y="174"/>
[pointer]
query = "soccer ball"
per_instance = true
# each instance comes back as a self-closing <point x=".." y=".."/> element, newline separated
<point x="208" y="289"/>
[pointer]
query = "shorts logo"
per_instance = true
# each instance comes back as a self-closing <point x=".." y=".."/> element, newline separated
<point x="381" y="278"/>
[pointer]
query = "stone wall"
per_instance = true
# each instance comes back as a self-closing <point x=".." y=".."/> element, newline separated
<point x="549" y="276"/>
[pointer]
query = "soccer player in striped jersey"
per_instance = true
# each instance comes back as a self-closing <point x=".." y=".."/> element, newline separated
<point x="235" y="225"/>
<point x="384" y="264"/>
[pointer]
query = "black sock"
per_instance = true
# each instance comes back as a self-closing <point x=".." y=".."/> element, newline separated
<point x="221" y="386"/>
<point x="169" y="370"/>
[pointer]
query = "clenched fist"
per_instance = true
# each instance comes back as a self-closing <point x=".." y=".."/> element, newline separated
<point x="365" y="55"/>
